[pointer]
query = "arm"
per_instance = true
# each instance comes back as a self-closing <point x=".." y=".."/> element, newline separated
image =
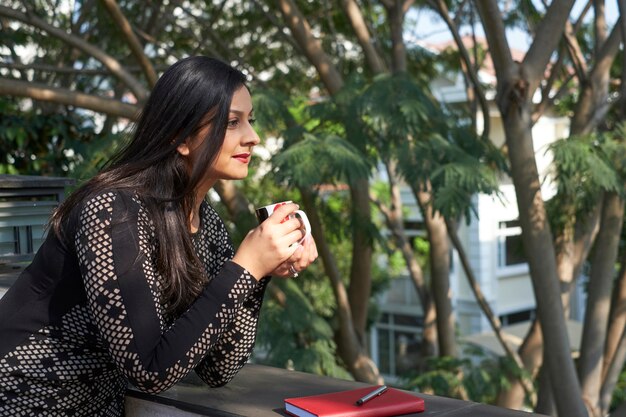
<point x="115" y="257"/>
<point x="234" y="348"/>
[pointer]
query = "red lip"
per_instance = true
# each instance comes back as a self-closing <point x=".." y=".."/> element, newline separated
<point x="242" y="157"/>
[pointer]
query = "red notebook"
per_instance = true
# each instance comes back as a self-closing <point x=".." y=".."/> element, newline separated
<point x="392" y="402"/>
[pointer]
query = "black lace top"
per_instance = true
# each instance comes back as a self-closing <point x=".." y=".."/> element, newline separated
<point x="81" y="322"/>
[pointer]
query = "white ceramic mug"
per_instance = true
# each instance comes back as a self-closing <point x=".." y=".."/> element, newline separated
<point x="264" y="212"/>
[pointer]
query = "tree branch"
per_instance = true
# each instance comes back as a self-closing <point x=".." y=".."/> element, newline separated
<point x="496" y="37"/>
<point x="374" y="61"/>
<point x="608" y="50"/>
<point x="466" y="64"/>
<point x="573" y="47"/>
<point x="548" y="102"/>
<point x="311" y="46"/>
<point x="66" y="70"/>
<point x="547" y="38"/>
<point x="108" y="61"/>
<point x="494" y="322"/>
<point x="135" y="47"/>
<point x="44" y="92"/>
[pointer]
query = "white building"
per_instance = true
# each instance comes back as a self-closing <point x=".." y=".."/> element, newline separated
<point x="492" y="242"/>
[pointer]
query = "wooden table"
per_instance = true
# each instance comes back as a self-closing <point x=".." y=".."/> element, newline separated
<point x="259" y="391"/>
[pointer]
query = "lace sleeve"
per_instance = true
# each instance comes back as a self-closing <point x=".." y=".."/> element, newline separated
<point x="119" y="276"/>
<point x="235" y="346"/>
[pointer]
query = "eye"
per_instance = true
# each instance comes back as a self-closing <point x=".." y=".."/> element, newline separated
<point x="252" y="121"/>
<point x="232" y="123"/>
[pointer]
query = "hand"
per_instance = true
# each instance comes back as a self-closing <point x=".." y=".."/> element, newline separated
<point x="271" y="243"/>
<point x="304" y="256"/>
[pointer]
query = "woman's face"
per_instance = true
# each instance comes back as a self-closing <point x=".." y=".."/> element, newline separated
<point x="236" y="151"/>
<point x="234" y="157"/>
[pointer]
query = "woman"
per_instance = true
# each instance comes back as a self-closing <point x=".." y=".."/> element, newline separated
<point x="137" y="280"/>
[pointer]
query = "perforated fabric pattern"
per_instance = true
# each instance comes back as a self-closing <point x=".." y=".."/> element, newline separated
<point x="80" y="364"/>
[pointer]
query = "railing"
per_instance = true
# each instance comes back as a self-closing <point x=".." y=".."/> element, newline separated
<point x="26" y="203"/>
<point x="259" y="391"/>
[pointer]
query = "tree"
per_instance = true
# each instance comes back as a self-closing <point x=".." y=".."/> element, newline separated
<point x="516" y="84"/>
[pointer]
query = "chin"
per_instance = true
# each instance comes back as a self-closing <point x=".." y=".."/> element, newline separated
<point x="235" y="176"/>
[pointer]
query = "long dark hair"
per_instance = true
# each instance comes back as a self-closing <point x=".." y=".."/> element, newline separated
<point x="188" y="93"/>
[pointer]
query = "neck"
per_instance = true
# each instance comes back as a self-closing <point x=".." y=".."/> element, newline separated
<point x="194" y="216"/>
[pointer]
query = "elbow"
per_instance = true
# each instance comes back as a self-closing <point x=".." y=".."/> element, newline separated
<point x="152" y="385"/>
<point x="217" y="379"/>
<point x="217" y="384"/>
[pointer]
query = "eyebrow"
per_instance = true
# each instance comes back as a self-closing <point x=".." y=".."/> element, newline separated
<point x="240" y="112"/>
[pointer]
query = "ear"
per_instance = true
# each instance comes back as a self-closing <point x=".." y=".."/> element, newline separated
<point x="183" y="149"/>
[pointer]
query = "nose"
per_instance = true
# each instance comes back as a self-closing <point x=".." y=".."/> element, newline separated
<point x="251" y="138"/>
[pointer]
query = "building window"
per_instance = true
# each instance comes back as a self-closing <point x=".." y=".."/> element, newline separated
<point x="398" y="339"/>
<point x="517" y="317"/>
<point x="510" y="248"/>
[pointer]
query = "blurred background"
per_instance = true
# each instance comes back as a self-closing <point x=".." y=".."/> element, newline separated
<point x="461" y="162"/>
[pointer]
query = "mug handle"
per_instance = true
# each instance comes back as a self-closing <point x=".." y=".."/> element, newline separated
<point x="305" y="221"/>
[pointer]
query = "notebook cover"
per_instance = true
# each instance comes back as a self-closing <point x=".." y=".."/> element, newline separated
<point x="342" y="403"/>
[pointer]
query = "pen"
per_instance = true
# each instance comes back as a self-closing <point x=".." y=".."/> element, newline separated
<point x="378" y="391"/>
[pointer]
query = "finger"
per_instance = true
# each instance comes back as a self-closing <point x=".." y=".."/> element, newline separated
<point x="289" y="226"/>
<point x="281" y="213"/>
<point x="303" y="260"/>
<point x="311" y="251"/>
<point x="283" y="271"/>
<point x="294" y="238"/>
<point x="296" y="256"/>
<point x="309" y="257"/>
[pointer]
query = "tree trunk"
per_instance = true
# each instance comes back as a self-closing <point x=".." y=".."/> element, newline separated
<point x="237" y="205"/>
<point x="615" y="348"/>
<point x="571" y="253"/>
<point x="494" y="321"/>
<point x="531" y="353"/>
<point x="599" y="301"/>
<point x="573" y="246"/>
<point x="395" y="14"/>
<point x="569" y="263"/>
<point x="537" y="240"/>
<point x="585" y="233"/>
<point x="545" y="399"/>
<point x="613" y="371"/>
<point x="349" y="347"/>
<point x="439" y="270"/>
<point x="360" y="287"/>
<point x="394" y="220"/>
<point x="515" y="109"/>
<point x="350" y="339"/>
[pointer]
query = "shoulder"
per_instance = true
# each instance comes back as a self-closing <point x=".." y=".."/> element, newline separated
<point x="114" y="204"/>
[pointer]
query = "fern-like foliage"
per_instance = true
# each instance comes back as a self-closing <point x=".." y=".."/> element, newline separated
<point x="320" y="159"/>
<point x="583" y="168"/>
<point x="272" y="111"/>
<point x="296" y="336"/>
<point x="429" y="144"/>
